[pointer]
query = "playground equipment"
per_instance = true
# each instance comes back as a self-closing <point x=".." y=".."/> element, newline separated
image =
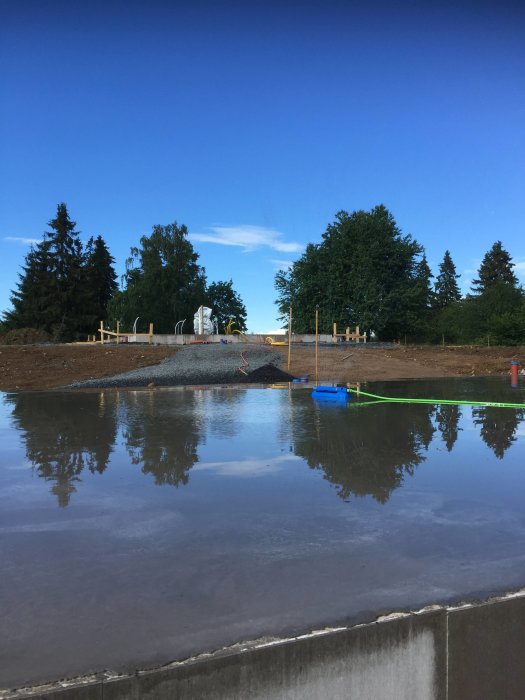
<point x="118" y="335"/>
<point x="271" y="341"/>
<point x="347" y="335"/>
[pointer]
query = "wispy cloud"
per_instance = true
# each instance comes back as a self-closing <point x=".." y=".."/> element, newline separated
<point x="21" y="240"/>
<point x="282" y="264"/>
<point x="249" y="238"/>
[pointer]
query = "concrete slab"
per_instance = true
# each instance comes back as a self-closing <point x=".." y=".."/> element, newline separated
<point x="486" y="647"/>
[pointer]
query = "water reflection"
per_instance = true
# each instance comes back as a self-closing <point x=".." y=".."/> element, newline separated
<point x="361" y="450"/>
<point x="447" y="420"/>
<point x="366" y="450"/>
<point x="498" y="427"/>
<point x="162" y="435"/>
<point x="65" y="433"/>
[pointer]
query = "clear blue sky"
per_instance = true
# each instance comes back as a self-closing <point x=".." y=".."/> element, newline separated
<point x="254" y="122"/>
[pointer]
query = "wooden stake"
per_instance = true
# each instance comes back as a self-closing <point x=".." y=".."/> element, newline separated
<point x="289" y="337"/>
<point x="102" y="332"/>
<point x="118" y="331"/>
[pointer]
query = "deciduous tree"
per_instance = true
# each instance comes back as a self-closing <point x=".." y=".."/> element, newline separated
<point x="163" y="282"/>
<point x="226" y="305"/>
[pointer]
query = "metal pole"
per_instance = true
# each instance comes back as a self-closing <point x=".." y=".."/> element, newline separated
<point x="316" y="343"/>
<point x="289" y="337"/>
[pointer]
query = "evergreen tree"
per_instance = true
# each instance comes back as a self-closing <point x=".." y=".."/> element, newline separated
<point x="419" y="301"/>
<point x="64" y="307"/>
<point x="226" y="305"/>
<point x="30" y="299"/>
<point x="48" y="293"/>
<point x="99" y="282"/>
<point x="496" y="267"/>
<point x="164" y="283"/>
<point x="446" y="289"/>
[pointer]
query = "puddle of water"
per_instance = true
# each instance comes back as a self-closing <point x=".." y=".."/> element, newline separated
<point x="140" y="527"/>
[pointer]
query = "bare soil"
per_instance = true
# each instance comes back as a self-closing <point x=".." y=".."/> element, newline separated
<point x="50" y="366"/>
<point x="32" y="367"/>
<point x="350" y="363"/>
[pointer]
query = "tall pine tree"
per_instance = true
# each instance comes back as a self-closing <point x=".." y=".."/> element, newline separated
<point x="62" y="290"/>
<point x="99" y="282"/>
<point x="495" y="267"/>
<point x="446" y="289"/>
<point x="31" y="297"/>
<point x="64" y="310"/>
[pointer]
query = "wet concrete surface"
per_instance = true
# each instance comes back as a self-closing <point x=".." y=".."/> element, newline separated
<point x="142" y="527"/>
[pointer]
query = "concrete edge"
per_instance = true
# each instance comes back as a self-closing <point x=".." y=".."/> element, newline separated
<point x="81" y="686"/>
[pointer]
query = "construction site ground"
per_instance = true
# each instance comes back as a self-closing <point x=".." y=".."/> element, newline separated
<point x="37" y="367"/>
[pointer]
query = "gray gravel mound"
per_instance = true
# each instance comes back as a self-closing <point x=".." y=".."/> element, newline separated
<point x="198" y="364"/>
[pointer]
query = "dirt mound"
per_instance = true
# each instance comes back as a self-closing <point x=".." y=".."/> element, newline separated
<point x="268" y="374"/>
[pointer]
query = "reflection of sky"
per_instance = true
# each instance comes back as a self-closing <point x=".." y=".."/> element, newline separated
<point x="256" y="540"/>
<point x="250" y="466"/>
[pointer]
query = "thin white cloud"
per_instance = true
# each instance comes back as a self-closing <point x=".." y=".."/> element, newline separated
<point x="282" y="264"/>
<point x="247" y="237"/>
<point x="22" y="240"/>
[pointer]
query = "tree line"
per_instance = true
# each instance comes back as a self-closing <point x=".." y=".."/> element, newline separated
<point x="65" y="288"/>
<point x="366" y="272"/>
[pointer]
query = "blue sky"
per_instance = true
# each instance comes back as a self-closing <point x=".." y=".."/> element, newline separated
<point x="253" y="123"/>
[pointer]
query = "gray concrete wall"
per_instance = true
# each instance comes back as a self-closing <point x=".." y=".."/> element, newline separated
<point x="472" y="652"/>
<point x="186" y="339"/>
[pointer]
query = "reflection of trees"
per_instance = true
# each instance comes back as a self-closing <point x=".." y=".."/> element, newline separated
<point x="65" y="432"/>
<point x="498" y="426"/>
<point x="162" y="433"/>
<point x="366" y="450"/>
<point x="447" y="422"/>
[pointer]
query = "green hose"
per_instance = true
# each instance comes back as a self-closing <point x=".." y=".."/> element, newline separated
<point x="447" y="402"/>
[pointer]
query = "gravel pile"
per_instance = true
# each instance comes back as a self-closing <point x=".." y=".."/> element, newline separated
<point x="201" y="364"/>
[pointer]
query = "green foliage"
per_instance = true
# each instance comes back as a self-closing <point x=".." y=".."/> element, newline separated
<point x="419" y="312"/>
<point x="226" y="305"/>
<point x="58" y="290"/>
<point x="496" y="267"/>
<point x="32" y="296"/>
<point x="164" y="283"/>
<point x="363" y="273"/>
<point x="99" y="282"/>
<point x="446" y="290"/>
